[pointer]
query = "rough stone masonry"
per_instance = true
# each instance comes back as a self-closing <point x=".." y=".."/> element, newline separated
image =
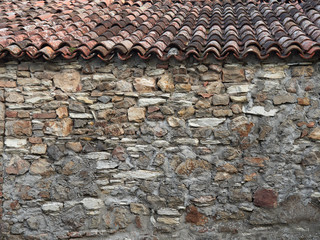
<point x="150" y="150"/>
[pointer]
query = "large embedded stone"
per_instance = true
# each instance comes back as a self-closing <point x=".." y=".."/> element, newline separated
<point x="211" y="76"/>
<point x="175" y="122"/>
<point x="52" y="207"/>
<point x="215" y="87"/>
<point x="18" y="128"/>
<point x="124" y="86"/>
<point x="138" y="208"/>
<point x="166" y="83"/>
<point x="42" y="167"/>
<point x="189" y="166"/>
<point x="259" y="110"/>
<point x="17" y="166"/>
<point x="144" y="84"/>
<point x="59" y="128"/>
<point x="233" y="74"/>
<point x="103" y="165"/>
<point x="136" y="114"/>
<point x="239" y="89"/>
<point x="92" y="203"/>
<point x="220" y="99"/>
<point x="205" y="122"/>
<point x="168" y="220"/>
<point x="265" y="198"/>
<point x="15" y="142"/>
<point x="280" y="99"/>
<point x="67" y="81"/>
<point x="39" y="148"/>
<point x="315" y="134"/>
<point x="139" y="174"/>
<point x="168" y="212"/>
<point x="14" y="97"/>
<point x="143" y="102"/>
<point x="195" y="217"/>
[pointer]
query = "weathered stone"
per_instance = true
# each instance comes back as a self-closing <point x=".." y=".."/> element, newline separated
<point x="54" y="152"/>
<point x="255" y="161"/>
<point x="114" y="130"/>
<point x="39" y="149"/>
<point x="59" y="128"/>
<point x="138" y="174"/>
<point x="121" y="218"/>
<point x="124" y="86"/>
<point x="238" y="98"/>
<point x="62" y="112"/>
<point x="139" y="209"/>
<point x="144" y="84"/>
<point x="195" y="217"/>
<point x="168" y="212"/>
<point x="14" y="97"/>
<point x="259" y="110"/>
<point x="67" y="81"/>
<point x="221" y="176"/>
<point x="187" y="141"/>
<point x="144" y="102"/>
<point x="103" y="165"/>
<point x="203" y="201"/>
<point x="205" y="122"/>
<point x="15" y="142"/>
<point x="77" y="107"/>
<point x="215" y="87"/>
<point x="168" y="220"/>
<point x="42" y="167"/>
<point x="280" y="99"/>
<point x="272" y="72"/>
<point x="186" y="112"/>
<point x="222" y="112"/>
<point x="233" y="74"/>
<point x="239" y="89"/>
<point x="2" y="111"/>
<point x="81" y="115"/>
<point x="52" y="207"/>
<point x="104" y="99"/>
<point x="189" y="166"/>
<point x="315" y="134"/>
<point x="204" y="104"/>
<point x="304" y="101"/>
<point x="302" y="71"/>
<point x="44" y="115"/>
<point x="17" y="166"/>
<point x="175" y="122"/>
<point x="74" y="146"/>
<point x="211" y="76"/>
<point x="92" y="203"/>
<point x="136" y="114"/>
<point x="18" y="128"/>
<point x="265" y="198"/>
<point x="101" y="106"/>
<point x="7" y="84"/>
<point x="220" y="99"/>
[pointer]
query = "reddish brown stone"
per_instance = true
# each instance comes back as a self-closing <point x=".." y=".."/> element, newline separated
<point x="304" y="133"/>
<point x="156" y="116"/>
<point x="62" y="128"/>
<point x="119" y="152"/>
<point x="195" y="217"/>
<point x="256" y="161"/>
<point x="266" y="198"/>
<point x="24" y="193"/>
<point x="18" y="128"/>
<point x="7" y="84"/>
<point x="304" y="101"/>
<point x="311" y="124"/>
<point x="11" y="114"/>
<point x="17" y="166"/>
<point x="138" y="222"/>
<point x="44" y="115"/>
<point x="35" y="140"/>
<point x="23" y="114"/>
<point x="114" y="130"/>
<point x="62" y="112"/>
<point x="14" y="205"/>
<point x="153" y="109"/>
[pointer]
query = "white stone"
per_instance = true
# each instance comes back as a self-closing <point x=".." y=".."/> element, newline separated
<point x="239" y="89"/>
<point x="52" y="207"/>
<point x="168" y="220"/>
<point x="143" y="102"/>
<point x="101" y="106"/>
<point x="92" y="203"/>
<point x="104" y="77"/>
<point x="315" y="195"/>
<point x="187" y="141"/>
<point x="81" y="115"/>
<point x="238" y="98"/>
<point x="168" y="212"/>
<point x="38" y="99"/>
<point x="259" y="110"/>
<point x="15" y="142"/>
<point x="160" y="143"/>
<point x="101" y="165"/>
<point x="206" y="122"/>
<point x="98" y="156"/>
<point x="139" y="174"/>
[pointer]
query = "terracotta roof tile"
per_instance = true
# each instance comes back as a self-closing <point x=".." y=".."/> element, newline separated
<point x="171" y="28"/>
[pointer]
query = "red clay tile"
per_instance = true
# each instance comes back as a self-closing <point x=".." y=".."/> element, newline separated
<point x="171" y="28"/>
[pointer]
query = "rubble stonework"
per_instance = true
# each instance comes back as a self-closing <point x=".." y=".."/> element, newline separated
<point x="160" y="150"/>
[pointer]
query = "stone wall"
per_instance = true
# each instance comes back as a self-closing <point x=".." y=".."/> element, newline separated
<point x="160" y="150"/>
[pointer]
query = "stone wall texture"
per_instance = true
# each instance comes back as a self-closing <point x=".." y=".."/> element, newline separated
<point x="150" y="150"/>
